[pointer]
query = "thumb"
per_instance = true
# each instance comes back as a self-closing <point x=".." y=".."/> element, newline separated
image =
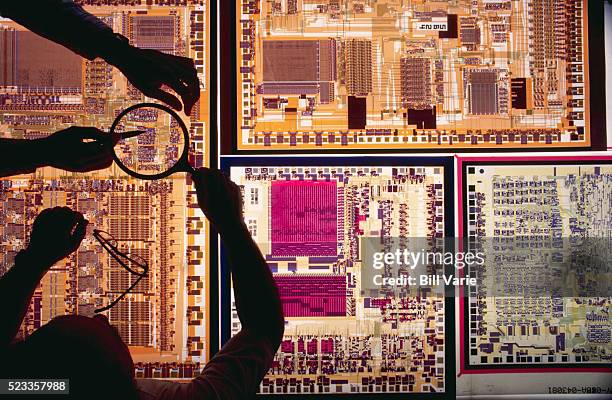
<point x="159" y="94"/>
<point x="79" y="233"/>
<point x="87" y="132"/>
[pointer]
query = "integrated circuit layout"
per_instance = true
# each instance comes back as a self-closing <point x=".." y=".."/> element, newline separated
<point x="145" y="219"/>
<point x="45" y="88"/>
<point x="308" y="221"/>
<point x="329" y="74"/>
<point x="546" y="204"/>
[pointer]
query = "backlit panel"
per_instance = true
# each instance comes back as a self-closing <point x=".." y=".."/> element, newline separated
<point x="564" y="199"/>
<point x="337" y="338"/>
<point x="45" y="88"/>
<point x="331" y="74"/>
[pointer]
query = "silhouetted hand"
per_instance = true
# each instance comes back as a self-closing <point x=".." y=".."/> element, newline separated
<point x="78" y="149"/>
<point x="56" y="233"/>
<point x="149" y="69"/>
<point x="219" y="198"/>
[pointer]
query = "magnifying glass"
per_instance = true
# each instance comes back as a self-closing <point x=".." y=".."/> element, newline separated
<point x="154" y="142"/>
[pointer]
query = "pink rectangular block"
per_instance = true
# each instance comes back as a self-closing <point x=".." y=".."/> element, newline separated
<point x="304" y="218"/>
<point x="312" y="295"/>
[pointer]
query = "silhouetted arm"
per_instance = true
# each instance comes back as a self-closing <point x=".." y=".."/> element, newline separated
<point x="237" y="369"/>
<point x="55" y="234"/>
<point x="20" y="156"/>
<point x="16" y="289"/>
<point x="257" y="299"/>
<point x="76" y="149"/>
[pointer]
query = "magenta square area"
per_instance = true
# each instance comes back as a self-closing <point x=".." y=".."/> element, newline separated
<point x="312" y="295"/>
<point x="304" y="221"/>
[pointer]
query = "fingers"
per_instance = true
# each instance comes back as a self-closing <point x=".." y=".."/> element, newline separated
<point x="69" y="151"/>
<point x="79" y="232"/>
<point x="69" y="221"/>
<point x="91" y="157"/>
<point x="41" y="221"/>
<point x="187" y="73"/>
<point x="100" y="137"/>
<point x="51" y="216"/>
<point x="193" y="83"/>
<point x="115" y="138"/>
<point x="214" y="178"/>
<point x="215" y="183"/>
<point x="91" y="133"/>
<point x="201" y="175"/>
<point x="79" y="133"/>
<point x="166" y="97"/>
<point x="57" y="233"/>
<point x="94" y="163"/>
<point x="102" y="162"/>
<point x="65" y="219"/>
<point x="44" y="214"/>
<point x="156" y="68"/>
<point x="219" y="198"/>
<point x="182" y="90"/>
<point x="224" y="182"/>
<point x="62" y="219"/>
<point x="96" y="157"/>
<point x="183" y="79"/>
<point x="201" y="180"/>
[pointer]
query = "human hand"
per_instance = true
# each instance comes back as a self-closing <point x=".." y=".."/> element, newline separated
<point x="56" y="233"/>
<point x="219" y="198"/>
<point x="68" y="150"/>
<point x="149" y="69"/>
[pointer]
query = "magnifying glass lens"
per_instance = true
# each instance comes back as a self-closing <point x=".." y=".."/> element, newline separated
<point x="156" y="150"/>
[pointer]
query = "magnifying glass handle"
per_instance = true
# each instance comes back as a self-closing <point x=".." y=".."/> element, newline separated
<point x="189" y="169"/>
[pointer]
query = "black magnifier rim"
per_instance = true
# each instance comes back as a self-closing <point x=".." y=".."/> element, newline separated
<point x="182" y="159"/>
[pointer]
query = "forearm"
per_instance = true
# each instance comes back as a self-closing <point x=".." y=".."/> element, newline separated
<point x="257" y="298"/>
<point x="66" y="23"/>
<point x="16" y="289"/>
<point x="21" y="156"/>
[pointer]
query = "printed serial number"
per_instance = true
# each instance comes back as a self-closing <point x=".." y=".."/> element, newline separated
<point x="578" y="390"/>
<point x="30" y="386"/>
